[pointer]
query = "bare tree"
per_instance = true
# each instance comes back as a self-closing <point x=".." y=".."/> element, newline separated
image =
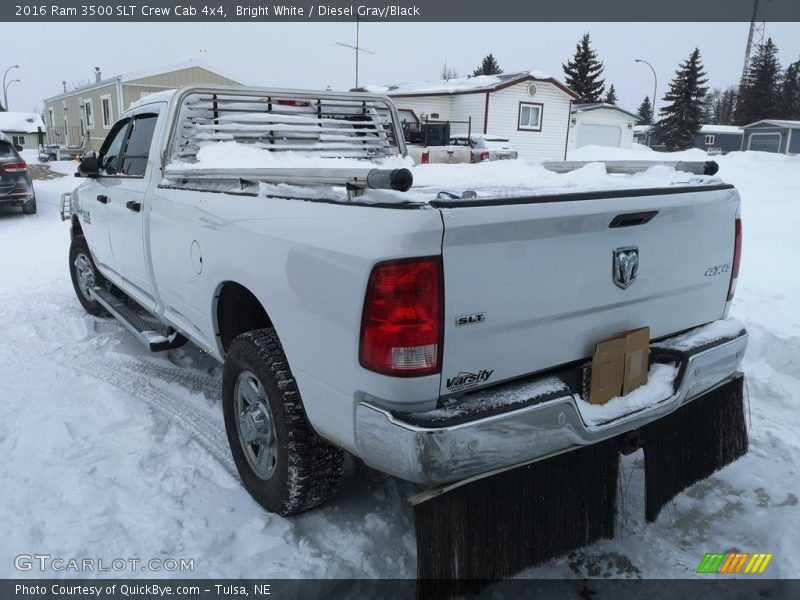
<point x="448" y="72"/>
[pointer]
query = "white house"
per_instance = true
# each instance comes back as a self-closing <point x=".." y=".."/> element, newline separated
<point x="529" y="108"/>
<point x="601" y="124"/>
<point x="22" y="128"/>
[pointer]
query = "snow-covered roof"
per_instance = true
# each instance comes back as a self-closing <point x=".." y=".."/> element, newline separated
<point x="721" y="129"/>
<point x="587" y="107"/>
<point x="19" y="122"/>
<point x="463" y="85"/>
<point x="143" y="74"/>
<point x="641" y="128"/>
<point x="777" y="123"/>
<point x="163" y="96"/>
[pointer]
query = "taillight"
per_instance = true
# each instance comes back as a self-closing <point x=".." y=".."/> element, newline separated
<point x="299" y="103"/>
<point x="484" y="155"/>
<point x="426" y="158"/>
<point x="737" y="256"/>
<point x="401" y="327"/>
<point x="14" y="167"/>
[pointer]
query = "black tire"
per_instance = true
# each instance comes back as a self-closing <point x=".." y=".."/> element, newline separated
<point x="77" y="249"/>
<point x="307" y="470"/>
<point x="29" y="207"/>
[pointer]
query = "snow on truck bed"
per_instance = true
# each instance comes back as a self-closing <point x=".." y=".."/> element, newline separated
<point x="498" y="179"/>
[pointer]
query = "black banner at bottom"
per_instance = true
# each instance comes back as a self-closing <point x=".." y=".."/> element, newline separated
<point x="705" y="587"/>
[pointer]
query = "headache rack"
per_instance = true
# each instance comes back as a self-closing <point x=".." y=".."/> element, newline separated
<point x="319" y="125"/>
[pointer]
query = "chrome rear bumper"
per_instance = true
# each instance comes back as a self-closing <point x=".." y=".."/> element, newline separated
<point x="437" y="455"/>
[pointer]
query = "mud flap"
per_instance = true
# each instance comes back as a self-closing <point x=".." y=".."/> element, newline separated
<point x="493" y="526"/>
<point x="693" y="442"/>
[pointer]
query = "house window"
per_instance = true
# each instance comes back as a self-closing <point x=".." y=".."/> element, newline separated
<point x="530" y="116"/>
<point x="18" y="140"/>
<point x="710" y="139"/>
<point x="51" y="115"/>
<point x="108" y="117"/>
<point x="88" y="110"/>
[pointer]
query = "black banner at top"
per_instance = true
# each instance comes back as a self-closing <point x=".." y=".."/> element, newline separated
<point x="400" y="10"/>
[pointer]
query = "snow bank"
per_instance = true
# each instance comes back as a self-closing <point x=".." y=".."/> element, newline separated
<point x="701" y="336"/>
<point x="657" y="389"/>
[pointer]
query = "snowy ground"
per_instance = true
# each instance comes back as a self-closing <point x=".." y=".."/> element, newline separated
<point x="108" y="451"/>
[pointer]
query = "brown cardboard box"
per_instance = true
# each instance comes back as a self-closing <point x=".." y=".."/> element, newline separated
<point x="620" y="365"/>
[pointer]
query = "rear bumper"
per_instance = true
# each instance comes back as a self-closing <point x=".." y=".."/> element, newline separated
<point x="437" y="455"/>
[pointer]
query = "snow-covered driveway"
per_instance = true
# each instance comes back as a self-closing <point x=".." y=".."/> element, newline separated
<point x="108" y="451"/>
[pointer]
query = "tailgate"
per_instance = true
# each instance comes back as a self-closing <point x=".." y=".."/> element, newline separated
<point x="530" y="284"/>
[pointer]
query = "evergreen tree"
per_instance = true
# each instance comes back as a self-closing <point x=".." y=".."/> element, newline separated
<point x="611" y="95"/>
<point x="684" y="110"/>
<point x="488" y="66"/>
<point x="583" y="72"/>
<point x="759" y="96"/>
<point x="2" y="108"/>
<point x="790" y="93"/>
<point x="645" y="112"/>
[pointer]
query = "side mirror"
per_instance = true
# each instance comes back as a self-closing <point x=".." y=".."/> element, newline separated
<point x="89" y="166"/>
<point x="19" y="148"/>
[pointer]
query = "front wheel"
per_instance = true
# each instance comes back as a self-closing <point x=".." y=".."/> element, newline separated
<point x="282" y="462"/>
<point x="84" y="275"/>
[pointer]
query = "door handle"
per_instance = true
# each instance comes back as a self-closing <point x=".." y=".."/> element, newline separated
<point x="102" y="199"/>
<point x="134" y="206"/>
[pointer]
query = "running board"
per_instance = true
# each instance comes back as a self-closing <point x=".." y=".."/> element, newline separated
<point x="156" y="336"/>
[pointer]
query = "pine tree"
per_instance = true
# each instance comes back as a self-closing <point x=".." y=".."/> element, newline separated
<point x="790" y="93"/>
<point x="645" y="112"/>
<point x="2" y="108"/>
<point x="583" y="72"/>
<point x="488" y="66"/>
<point x="683" y="113"/>
<point x="759" y="96"/>
<point x="611" y="95"/>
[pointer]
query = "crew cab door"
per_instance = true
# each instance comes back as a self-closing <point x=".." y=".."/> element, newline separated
<point x="126" y="190"/>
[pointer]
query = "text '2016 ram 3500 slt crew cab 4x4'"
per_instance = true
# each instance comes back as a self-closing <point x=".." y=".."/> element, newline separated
<point x="437" y="337"/>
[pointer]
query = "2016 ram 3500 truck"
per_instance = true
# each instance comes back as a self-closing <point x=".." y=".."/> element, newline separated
<point x="435" y="338"/>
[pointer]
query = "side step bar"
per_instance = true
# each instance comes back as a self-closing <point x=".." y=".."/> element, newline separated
<point x="156" y="336"/>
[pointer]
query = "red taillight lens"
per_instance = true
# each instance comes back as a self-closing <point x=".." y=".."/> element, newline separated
<point x="484" y="155"/>
<point x="401" y="327"/>
<point x="737" y="256"/>
<point x="292" y="103"/>
<point x="14" y="167"/>
<point x="426" y="158"/>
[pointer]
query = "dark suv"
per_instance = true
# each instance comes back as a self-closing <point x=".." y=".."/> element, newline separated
<point x="16" y="188"/>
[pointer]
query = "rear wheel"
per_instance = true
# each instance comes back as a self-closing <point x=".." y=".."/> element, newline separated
<point x="84" y="275"/>
<point x="282" y="462"/>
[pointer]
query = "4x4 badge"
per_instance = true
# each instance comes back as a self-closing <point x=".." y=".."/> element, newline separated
<point x="625" y="266"/>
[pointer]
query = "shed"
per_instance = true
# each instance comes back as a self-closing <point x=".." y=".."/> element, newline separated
<point x="530" y="108"/>
<point x="22" y="128"/>
<point x="772" y="135"/>
<point x="719" y="139"/>
<point x="601" y="124"/>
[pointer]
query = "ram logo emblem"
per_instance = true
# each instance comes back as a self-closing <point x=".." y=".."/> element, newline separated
<point x="626" y="266"/>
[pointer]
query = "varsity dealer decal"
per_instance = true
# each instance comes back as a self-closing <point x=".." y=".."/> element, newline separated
<point x="466" y="380"/>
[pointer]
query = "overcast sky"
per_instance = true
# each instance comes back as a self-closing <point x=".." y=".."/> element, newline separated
<point x="306" y="55"/>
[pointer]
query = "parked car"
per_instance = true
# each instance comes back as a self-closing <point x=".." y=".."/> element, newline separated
<point x="436" y="339"/>
<point x="485" y="147"/>
<point x="16" y="187"/>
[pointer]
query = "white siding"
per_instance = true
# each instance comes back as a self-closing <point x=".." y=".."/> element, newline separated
<point x="464" y="107"/>
<point x="426" y="105"/>
<point x="603" y="116"/>
<point x="547" y="144"/>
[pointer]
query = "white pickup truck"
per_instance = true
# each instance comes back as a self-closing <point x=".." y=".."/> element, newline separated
<point x="433" y="338"/>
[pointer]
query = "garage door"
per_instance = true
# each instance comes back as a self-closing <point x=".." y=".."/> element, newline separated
<point x="765" y="142"/>
<point x="599" y="135"/>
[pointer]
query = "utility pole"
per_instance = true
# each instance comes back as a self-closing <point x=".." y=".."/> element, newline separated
<point x="5" y="87"/>
<point x="357" y="47"/>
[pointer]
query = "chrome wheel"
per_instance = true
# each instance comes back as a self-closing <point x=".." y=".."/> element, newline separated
<point x="85" y="273"/>
<point x="255" y="425"/>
